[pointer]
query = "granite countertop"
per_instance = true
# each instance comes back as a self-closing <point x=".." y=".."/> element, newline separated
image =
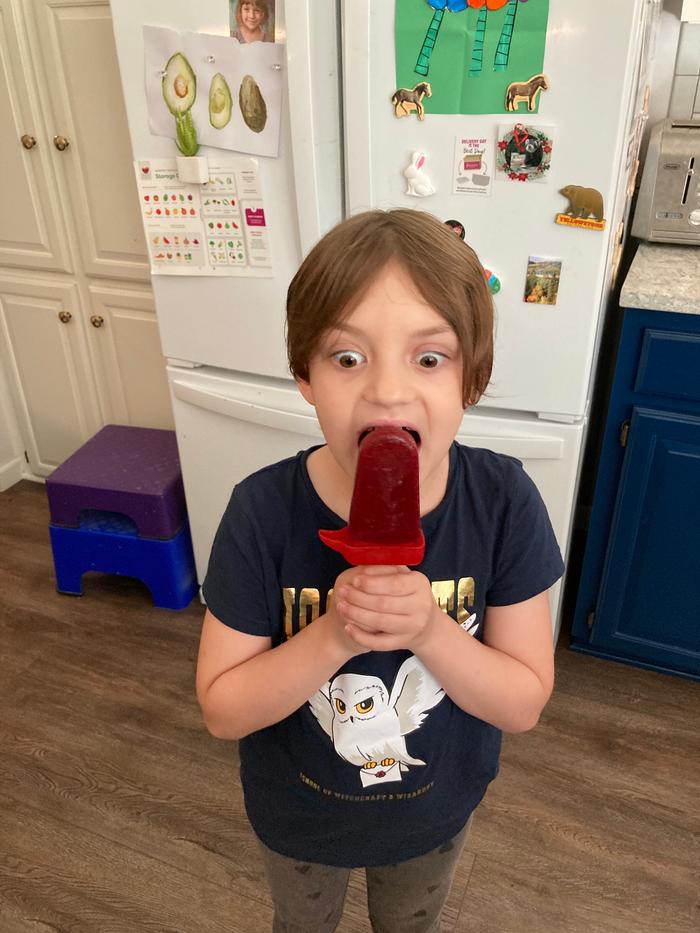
<point x="663" y="277"/>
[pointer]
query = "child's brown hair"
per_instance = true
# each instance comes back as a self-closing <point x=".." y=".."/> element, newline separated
<point x="447" y="273"/>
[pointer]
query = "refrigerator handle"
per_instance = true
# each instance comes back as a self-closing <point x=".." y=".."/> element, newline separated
<point x="523" y="447"/>
<point x="357" y="100"/>
<point x="301" y="118"/>
<point x="246" y="411"/>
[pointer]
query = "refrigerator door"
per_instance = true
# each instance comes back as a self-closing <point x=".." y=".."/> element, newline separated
<point x="238" y="323"/>
<point x="543" y="352"/>
<point x="229" y="425"/>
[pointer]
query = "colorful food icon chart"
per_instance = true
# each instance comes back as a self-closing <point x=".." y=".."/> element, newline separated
<point x="217" y="228"/>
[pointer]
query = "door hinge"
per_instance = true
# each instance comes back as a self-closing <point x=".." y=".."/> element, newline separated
<point x="590" y="619"/>
<point x="26" y="456"/>
<point x="624" y="432"/>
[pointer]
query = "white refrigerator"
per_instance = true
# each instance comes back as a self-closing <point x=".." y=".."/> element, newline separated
<point x="343" y="150"/>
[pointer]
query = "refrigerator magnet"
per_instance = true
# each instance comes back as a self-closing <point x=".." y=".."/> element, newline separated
<point x="472" y="175"/>
<point x="410" y="99"/>
<point x="542" y="280"/>
<point x="493" y="282"/>
<point x="457" y="226"/>
<point x="519" y="92"/>
<point x="585" y="208"/>
<point x="418" y="184"/>
<point x="524" y="152"/>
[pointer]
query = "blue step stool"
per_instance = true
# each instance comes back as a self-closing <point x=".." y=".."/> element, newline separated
<point x="109" y="543"/>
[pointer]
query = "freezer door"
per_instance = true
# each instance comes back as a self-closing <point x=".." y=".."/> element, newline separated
<point x="228" y="426"/>
<point x="238" y="323"/>
<point x="550" y="454"/>
<point x="543" y="352"/>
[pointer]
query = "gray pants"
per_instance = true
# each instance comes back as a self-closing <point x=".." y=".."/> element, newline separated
<point x="403" y="898"/>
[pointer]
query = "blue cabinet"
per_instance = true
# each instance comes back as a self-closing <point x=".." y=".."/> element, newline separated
<point x="639" y="593"/>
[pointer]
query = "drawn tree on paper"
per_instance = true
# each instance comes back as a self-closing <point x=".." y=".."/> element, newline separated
<point x="516" y="33"/>
<point x="500" y="60"/>
<point x="439" y="7"/>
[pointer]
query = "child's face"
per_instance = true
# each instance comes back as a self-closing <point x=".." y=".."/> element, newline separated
<point x="251" y="16"/>
<point x="394" y="360"/>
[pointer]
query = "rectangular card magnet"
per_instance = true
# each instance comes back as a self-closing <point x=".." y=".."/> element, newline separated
<point x="542" y="280"/>
<point x="472" y="173"/>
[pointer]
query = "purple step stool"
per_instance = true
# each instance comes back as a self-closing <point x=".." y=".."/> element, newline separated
<point x="134" y="471"/>
<point x="118" y="506"/>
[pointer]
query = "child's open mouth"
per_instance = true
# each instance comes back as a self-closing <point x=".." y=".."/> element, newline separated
<point x="414" y="434"/>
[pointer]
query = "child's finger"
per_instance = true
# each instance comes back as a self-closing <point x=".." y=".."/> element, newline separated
<point x="369" y="618"/>
<point x="379" y="603"/>
<point x="392" y="584"/>
<point x="383" y="569"/>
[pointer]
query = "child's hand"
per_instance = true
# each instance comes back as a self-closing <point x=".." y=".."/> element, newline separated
<point x="336" y="618"/>
<point x="386" y="608"/>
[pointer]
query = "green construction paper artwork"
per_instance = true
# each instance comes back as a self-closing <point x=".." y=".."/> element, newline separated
<point x="471" y="51"/>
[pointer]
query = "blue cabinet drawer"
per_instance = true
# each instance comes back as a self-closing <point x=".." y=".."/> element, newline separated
<point x="669" y="365"/>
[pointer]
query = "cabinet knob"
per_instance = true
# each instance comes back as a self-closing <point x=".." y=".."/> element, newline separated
<point x="28" y="141"/>
<point x="61" y="143"/>
<point x="64" y="316"/>
<point x="96" y="320"/>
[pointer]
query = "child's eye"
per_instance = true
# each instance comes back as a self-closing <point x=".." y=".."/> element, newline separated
<point x="430" y="359"/>
<point x="348" y="358"/>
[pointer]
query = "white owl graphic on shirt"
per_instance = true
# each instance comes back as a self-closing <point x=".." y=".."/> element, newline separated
<point x="367" y="723"/>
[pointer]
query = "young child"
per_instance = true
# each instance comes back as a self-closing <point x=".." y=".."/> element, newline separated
<point x="370" y="720"/>
<point x="251" y="21"/>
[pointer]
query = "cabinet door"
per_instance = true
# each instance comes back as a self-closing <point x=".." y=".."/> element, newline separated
<point x="125" y="341"/>
<point x="31" y="229"/>
<point x="650" y="592"/>
<point x="43" y="346"/>
<point x="85" y="106"/>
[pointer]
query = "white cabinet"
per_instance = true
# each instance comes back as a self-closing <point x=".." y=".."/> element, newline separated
<point x="77" y="66"/>
<point x="43" y="346"/>
<point x="79" y="344"/>
<point x="124" y="337"/>
<point x="32" y="232"/>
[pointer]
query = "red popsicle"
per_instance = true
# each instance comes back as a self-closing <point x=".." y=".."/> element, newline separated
<point x="384" y="526"/>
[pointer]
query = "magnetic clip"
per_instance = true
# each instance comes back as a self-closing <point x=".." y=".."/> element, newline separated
<point x="192" y="170"/>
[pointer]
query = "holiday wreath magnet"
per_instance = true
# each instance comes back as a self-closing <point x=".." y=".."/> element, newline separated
<point x="524" y="152"/>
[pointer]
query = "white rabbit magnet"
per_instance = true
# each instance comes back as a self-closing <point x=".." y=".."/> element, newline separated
<point x="418" y="185"/>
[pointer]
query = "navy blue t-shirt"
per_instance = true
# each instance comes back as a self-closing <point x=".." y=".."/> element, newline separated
<point x="379" y="765"/>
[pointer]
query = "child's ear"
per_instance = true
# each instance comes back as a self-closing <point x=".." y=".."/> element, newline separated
<point x="305" y="389"/>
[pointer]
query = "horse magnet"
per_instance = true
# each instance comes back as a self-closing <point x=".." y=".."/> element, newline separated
<point x="526" y="91"/>
<point x="410" y="100"/>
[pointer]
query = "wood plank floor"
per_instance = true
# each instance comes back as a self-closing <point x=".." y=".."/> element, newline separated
<point x="119" y="814"/>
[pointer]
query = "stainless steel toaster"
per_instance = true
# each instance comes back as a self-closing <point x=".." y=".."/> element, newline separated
<point x="668" y="204"/>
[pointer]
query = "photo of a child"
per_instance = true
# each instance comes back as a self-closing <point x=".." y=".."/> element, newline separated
<point x="252" y="20"/>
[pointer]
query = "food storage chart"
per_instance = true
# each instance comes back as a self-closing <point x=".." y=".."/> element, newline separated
<point x="216" y="228"/>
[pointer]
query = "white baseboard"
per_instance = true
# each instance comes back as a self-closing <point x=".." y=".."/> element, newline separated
<point x="11" y="473"/>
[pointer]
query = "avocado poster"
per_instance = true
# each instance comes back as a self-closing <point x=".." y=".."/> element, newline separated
<point x="207" y="90"/>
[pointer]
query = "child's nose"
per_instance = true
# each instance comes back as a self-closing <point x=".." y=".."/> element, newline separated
<point x="387" y="385"/>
